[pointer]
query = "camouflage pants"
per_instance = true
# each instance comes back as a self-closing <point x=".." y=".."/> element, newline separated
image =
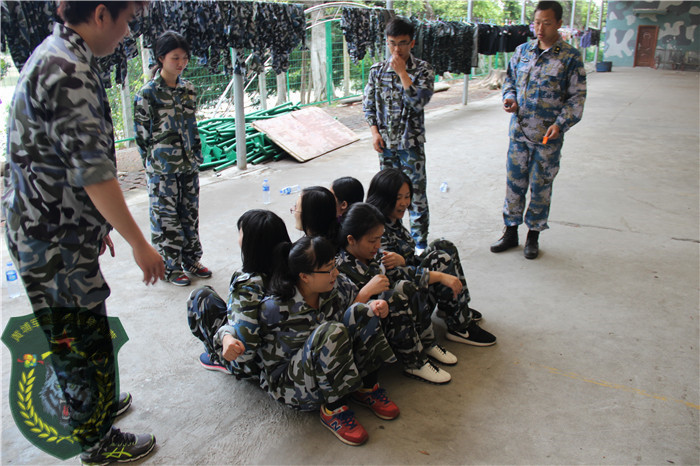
<point x="535" y="165"/>
<point x="333" y="361"/>
<point x="174" y="208"/>
<point x="442" y="256"/>
<point x="412" y="163"/>
<point x="67" y="293"/>
<point x="400" y="326"/>
<point x="206" y="314"/>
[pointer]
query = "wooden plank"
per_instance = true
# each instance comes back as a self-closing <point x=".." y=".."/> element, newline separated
<point x="307" y="133"/>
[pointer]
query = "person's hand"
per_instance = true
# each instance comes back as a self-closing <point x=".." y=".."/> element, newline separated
<point x="378" y="142"/>
<point x="510" y="105"/>
<point x="452" y="282"/>
<point x="107" y="243"/>
<point x="233" y="347"/>
<point x="150" y="262"/>
<point x="378" y="284"/>
<point x="380" y="308"/>
<point x="392" y="260"/>
<point x="552" y="132"/>
<point x="397" y="63"/>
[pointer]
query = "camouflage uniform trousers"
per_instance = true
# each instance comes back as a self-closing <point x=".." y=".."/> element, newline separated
<point x="333" y="361"/>
<point x="442" y="256"/>
<point x="535" y="165"/>
<point x="174" y="207"/>
<point x="412" y="163"/>
<point x="206" y="313"/>
<point x="67" y="292"/>
<point x="400" y="327"/>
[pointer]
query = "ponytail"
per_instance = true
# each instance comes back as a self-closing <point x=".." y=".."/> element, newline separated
<point x="304" y="256"/>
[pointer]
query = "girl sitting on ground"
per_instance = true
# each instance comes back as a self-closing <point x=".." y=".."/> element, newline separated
<point x="437" y="272"/>
<point x="347" y="191"/>
<point x="315" y="353"/>
<point x="359" y="260"/>
<point x="210" y="318"/>
<point x="315" y="213"/>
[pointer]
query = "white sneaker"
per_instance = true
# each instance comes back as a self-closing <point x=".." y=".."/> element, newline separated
<point x="440" y="354"/>
<point x="429" y="372"/>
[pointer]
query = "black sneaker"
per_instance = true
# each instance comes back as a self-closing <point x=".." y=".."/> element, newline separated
<point x="124" y="403"/>
<point x="474" y="335"/>
<point x="119" y="447"/>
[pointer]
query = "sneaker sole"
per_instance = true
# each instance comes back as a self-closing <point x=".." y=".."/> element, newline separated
<point x="451" y="337"/>
<point x="128" y="460"/>
<point x="417" y="377"/>
<point x="345" y="441"/>
<point x="190" y="274"/>
<point x="380" y="416"/>
<point x="179" y="284"/>
<point x="214" y="368"/>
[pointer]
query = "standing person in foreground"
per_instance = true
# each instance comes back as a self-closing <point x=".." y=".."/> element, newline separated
<point x="61" y="199"/>
<point x="397" y="91"/>
<point x="545" y="90"/>
<point x="168" y="140"/>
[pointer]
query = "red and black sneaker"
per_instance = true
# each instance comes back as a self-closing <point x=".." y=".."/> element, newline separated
<point x="197" y="270"/>
<point x="343" y="424"/>
<point x="377" y="400"/>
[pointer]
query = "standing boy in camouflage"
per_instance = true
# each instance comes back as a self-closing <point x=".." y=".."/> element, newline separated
<point x="61" y="198"/>
<point x="397" y="91"/>
<point x="545" y="90"/>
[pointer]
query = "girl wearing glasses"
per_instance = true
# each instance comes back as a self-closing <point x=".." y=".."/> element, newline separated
<point x="317" y="352"/>
<point x="213" y="321"/>
<point x="437" y="272"/>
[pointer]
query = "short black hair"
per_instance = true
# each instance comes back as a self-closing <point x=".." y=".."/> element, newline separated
<point x="359" y="220"/>
<point x="400" y="27"/>
<point x="262" y="231"/>
<point x="555" y="6"/>
<point x="348" y="189"/>
<point x="384" y="189"/>
<point x="77" y="12"/>
<point x="318" y="213"/>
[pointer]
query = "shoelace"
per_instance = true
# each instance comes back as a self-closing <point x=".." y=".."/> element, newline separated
<point x="380" y="395"/>
<point x="441" y="349"/>
<point x="117" y="437"/>
<point x="434" y="368"/>
<point x="347" y="418"/>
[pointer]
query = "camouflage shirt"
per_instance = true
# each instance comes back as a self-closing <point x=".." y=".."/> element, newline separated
<point x="166" y="127"/>
<point x="397" y="238"/>
<point x="549" y="87"/>
<point x="60" y="139"/>
<point x="397" y="112"/>
<point x="246" y="292"/>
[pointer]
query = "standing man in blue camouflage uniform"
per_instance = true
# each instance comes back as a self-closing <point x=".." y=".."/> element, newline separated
<point x="397" y="91"/>
<point x="168" y="140"/>
<point x="545" y="90"/>
<point x="61" y="199"/>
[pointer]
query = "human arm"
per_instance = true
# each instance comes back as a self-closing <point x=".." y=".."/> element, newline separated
<point x="391" y="260"/>
<point x="510" y="103"/>
<point x="574" y="94"/>
<point x="448" y="280"/>
<point x="377" y="140"/>
<point x="379" y="307"/>
<point x="142" y="124"/>
<point x="419" y="90"/>
<point x="109" y="201"/>
<point x="376" y="285"/>
<point x="232" y="347"/>
<point x="369" y="108"/>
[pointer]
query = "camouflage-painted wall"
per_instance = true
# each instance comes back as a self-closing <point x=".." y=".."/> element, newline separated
<point x="679" y="34"/>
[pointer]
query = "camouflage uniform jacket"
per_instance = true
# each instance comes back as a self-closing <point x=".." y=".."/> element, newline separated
<point x="355" y="270"/>
<point x="549" y="87"/>
<point x="282" y="328"/>
<point x="246" y="292"/>
<point x="397" y="238"/>
<point x="166" y="127"/>
<point x="397" y="112"/>
<point x="60" y="139"/>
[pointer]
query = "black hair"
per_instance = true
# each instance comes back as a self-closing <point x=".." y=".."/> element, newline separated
<point x="318" y="213"/>
<point x="78" y="12"/>
<point x="555" y="6"/>
<point x="304" y="256"/>
<point x="262" y="231"/>
<point x="400" y="27"/>
<point x="348" y="189"/>
<point x="359" y="220"/>
<point x="166" y="43"/>
<point x="384" y="189"/>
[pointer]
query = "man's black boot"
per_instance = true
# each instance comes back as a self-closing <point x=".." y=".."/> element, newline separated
<point x="507" y="241"/>
<point x="532" y="247"/>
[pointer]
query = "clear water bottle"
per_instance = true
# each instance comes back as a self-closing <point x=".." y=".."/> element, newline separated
<point x="266" y="192"/>
<point x="14" y="287"/>
<point x="443" y="187"/>
<point x="290" y="189"/>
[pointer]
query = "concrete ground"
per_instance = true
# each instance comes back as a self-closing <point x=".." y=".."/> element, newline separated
<point x="597" y="358"/>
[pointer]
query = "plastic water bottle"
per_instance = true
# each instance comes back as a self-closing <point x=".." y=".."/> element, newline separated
<point x="266" y="192"/>
<point x="14" y="287"/>
<point x="443" y="187"/>
<point x="290" y="189"/>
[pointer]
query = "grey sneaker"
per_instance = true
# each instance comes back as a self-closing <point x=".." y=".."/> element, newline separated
<point x="124" y="403"/>
<point x="119" y="447"/>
